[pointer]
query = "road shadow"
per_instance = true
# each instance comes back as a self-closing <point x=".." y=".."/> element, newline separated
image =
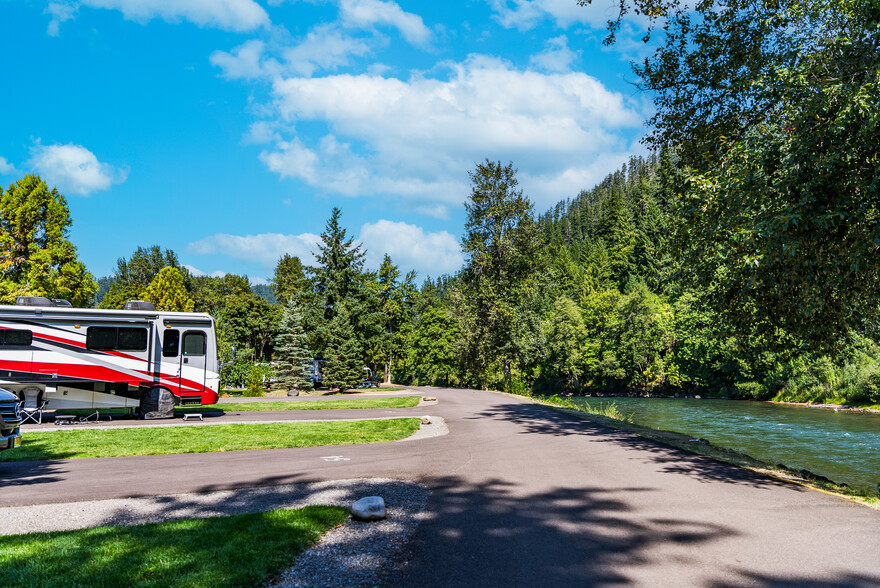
<point x="489" y="535"/>
<point x="29" y="473"/>
<point x="845" y="580"/>
<point x="537" y="419"/>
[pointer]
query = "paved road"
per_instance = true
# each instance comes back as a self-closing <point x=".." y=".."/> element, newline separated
<point x="527" y="496"/>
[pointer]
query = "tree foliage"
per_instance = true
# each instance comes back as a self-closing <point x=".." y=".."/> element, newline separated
<point x="133" y="276"/>
<point x="289" y="278"/>
<point x="36" y="256"/>
<point x="168" y="292"/>
<point x="772" y="108"/>
<point x="501" y="246"/>
<point x="291" y="350"/>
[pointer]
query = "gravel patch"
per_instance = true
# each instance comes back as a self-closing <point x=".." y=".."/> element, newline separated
<point x="354" y="554"/>
<point x="361" y="554"/>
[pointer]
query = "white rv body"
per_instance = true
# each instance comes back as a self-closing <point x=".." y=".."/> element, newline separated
<point x="90" y="358"/>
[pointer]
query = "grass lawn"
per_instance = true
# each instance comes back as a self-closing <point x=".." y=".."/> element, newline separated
<point x="238" y="550"/>
<point x="110" y="442"/>
<point x="335" y="404"/>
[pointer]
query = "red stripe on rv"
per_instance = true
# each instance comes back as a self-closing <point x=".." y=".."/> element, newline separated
<point x="83" y="346"/>
<point x="91" y="372"/>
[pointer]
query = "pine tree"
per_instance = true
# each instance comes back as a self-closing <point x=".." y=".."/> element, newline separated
<point x="344" y="368"/>
<point x="291" y="350"/>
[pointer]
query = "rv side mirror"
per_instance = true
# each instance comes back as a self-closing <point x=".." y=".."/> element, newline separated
<point x="233" y="354"/>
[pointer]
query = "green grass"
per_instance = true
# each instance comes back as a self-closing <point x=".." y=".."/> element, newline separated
<point x="335" y="404"/>
<point x="610" y="410"/>
<point x="238" y="550"/>
<point x="110" y="442"/>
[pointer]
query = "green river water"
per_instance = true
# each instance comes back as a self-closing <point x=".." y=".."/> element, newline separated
<point x="843" y="446"/>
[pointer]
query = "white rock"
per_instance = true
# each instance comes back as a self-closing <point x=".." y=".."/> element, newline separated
<point x="370" y="508"/>
<point x="426" y="420"/>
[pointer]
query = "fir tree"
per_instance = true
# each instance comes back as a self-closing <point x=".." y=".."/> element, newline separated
<point x="291" y="350"/>
<point x="344" y="368"/>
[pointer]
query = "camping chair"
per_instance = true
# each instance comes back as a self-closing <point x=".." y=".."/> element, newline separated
<point x="32" y="405"/>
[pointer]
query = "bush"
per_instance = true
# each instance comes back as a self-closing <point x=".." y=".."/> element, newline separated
<point x="254" y="382"/>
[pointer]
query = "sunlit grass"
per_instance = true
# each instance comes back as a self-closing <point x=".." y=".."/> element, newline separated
<point x="238" y="550"/>
<point x="115" y="442"/>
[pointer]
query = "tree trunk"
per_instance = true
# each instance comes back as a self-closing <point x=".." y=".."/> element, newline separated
<point x="506" y="375"/>
<point x="388" y="370"/>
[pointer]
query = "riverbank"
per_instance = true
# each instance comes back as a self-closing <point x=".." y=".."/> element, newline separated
<point x="871" y="408"/>
<point x="615" y="417"/>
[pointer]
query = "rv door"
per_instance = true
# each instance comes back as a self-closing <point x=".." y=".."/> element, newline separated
<point x="193" y="360"/>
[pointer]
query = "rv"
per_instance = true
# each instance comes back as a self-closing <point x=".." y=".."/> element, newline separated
<point x="136" y="358"/>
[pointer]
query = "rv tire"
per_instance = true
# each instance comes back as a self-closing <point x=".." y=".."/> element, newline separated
<point x="157" y="403"/>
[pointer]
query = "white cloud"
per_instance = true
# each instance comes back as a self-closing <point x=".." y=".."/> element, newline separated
<point x="6" y="168"/>
<point x="368" y="13"/>
<point x="199" y="273"/>
<point x="557" y="57"/>
<point x="411" y="248"/>
<point x="526" y="14"/>
<point x="326" y="47"/>
<point x="229" y="15"/>
<point x="418" y="138"/>
<point x="73" y="168"/>
<point x="265" y="248"/>
<point x="60" y="12"/>
<point x="245" y="61"/>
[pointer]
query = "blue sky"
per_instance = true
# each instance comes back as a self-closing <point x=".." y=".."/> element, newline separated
<point x="226" y="130"/>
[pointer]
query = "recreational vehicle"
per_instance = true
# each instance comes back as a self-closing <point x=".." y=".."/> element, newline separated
<point x="89" y="358"/>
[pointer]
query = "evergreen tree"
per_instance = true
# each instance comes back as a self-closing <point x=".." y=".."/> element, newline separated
<point x="36" y="257"/>
<point x="337" y="280"/>
<point x="291" y="350"/>
<point x="502" y="254"/>
<point x="167" y="291"/>
<point x="289" y="278"/>
<point x="344" y="368"/>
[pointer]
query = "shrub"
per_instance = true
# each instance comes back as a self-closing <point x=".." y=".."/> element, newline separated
<point x="254" y="382"/>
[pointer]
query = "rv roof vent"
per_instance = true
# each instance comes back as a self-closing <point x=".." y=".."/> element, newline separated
<point x="139" y="305"/>
<point x="61" y="302"/>
<point x="32" y="301"/>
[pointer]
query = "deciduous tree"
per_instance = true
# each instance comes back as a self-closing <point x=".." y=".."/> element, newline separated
<point x="167" y="291"/>
<point x="36" y="257"/>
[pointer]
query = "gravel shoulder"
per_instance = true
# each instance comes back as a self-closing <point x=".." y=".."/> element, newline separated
<point x="355" y="554"/>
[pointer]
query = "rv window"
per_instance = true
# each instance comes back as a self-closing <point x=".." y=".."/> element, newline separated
<point x="122" y="338"/>
<point x="193" y="343"/>
<point x="132" y="339"/>
<point x="15" y="337"/>
<point x="101" y="338"/>
<point x="171" y="343"/>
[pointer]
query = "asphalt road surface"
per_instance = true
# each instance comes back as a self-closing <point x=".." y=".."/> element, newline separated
<point x="523" y="495"/>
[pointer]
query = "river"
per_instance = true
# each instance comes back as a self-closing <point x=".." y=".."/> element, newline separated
<point x="843" y="446"/>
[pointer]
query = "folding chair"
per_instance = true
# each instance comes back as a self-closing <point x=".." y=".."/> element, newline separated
<point x="32" y="405"/>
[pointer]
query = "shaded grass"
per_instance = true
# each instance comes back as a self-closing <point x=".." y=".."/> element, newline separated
<point x="237" y="550"/>
<point x="110" y="442"/>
